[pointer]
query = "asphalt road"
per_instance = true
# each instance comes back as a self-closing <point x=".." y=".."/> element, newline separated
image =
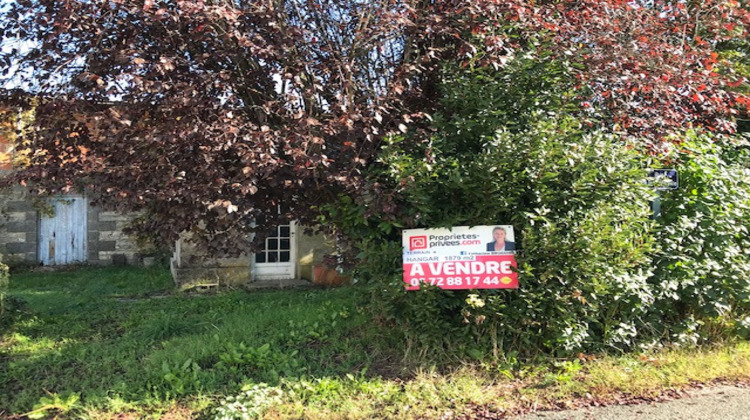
<point x="714" y="403"/>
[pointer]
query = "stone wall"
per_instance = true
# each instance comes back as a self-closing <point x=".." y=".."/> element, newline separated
<point x="190" y="267"/>
<point x="106" y="242"/>
<point x="310" y="252"/>
<point x="19" y="222"/>
<point x="19" y="232"/>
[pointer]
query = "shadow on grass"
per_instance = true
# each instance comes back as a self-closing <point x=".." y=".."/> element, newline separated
<point x="79" y="335"/>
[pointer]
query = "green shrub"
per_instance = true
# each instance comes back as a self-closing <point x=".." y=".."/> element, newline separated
<point x="580" y="207"/>
<point x="596" y="273"/>
<point x="584" y="228"/>
<point x="702" y="273"/>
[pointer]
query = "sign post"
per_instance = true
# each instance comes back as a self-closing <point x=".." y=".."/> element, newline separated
<point x="478" y="257"/>
<point x="663" y="180"/>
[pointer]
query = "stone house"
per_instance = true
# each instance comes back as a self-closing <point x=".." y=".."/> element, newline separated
<point x="289" y="257"/>
<point x="56" y="231"/>
<point x="61" y="230"/>
<point x="67" y="230"/>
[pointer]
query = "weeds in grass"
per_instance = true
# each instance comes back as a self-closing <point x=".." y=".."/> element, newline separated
<point x="251" y="403"/>
<point x="164" y="326"/>
<point x="13" y="309"/>
<point x="260" y="363"/>
<point x="123" y="352"/>
<point x="60" y="404"/>
<point x="179" y="378"/>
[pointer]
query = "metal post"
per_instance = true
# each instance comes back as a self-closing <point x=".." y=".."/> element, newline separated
<point x="656" y="206"/>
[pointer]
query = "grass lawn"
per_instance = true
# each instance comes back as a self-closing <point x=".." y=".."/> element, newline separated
<point x="120" y="343"/>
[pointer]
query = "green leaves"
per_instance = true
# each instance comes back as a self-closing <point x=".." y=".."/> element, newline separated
<point x="702" y="270"/>
<point x="54" y="403"/>
<point x="579" y="203"/>
<point x="179" y="378"/>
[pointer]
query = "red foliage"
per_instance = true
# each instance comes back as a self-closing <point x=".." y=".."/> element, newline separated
<point x="209" y="114"/>
<point x="647" y="69"/>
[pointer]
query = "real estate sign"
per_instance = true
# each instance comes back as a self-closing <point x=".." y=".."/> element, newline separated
<point x="462" y="257"/>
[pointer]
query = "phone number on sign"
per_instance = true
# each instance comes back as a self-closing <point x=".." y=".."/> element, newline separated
<point x="462" y="281"/>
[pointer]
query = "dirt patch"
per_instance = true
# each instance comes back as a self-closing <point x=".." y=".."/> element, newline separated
<point x="536" y="410"/>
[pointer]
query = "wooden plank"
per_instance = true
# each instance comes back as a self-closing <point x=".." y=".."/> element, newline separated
<point x="63" y="236"/>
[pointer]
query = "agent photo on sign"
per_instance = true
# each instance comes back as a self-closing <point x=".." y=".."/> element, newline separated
<point x="500" y="244"/>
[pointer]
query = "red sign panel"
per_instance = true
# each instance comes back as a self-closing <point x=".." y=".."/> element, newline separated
<point x="485" y="272"/>
<point x="417" y="242"/>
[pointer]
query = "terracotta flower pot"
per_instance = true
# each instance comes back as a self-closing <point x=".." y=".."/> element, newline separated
<point x="325" y="276"/>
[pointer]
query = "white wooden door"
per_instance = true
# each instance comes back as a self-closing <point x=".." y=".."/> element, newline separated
<point x="277" y="260"/>
<point x="62" y="235"/>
